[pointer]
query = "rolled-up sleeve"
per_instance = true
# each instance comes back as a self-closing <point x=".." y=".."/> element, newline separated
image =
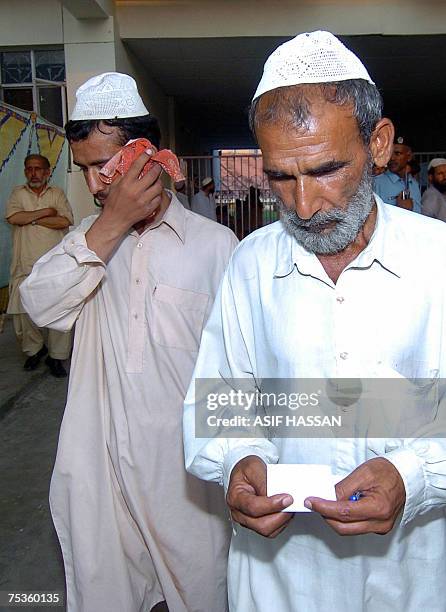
<point x="14" y="203"/>
<point x="62" y="280"/>
<point x="422" y="466"/>
<point x="421" y="461"/>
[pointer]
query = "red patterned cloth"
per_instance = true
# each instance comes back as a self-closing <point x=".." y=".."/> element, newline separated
<point x="121" y="162"/>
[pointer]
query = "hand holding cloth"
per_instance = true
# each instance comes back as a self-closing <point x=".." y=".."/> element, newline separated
<point x="120" y="163"/>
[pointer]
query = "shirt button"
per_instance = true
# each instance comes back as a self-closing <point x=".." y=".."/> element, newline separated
<point x="343" y="355"/>
<point x="137" y="281"/>
<point x="139" y="245"/>
<point x="340" y="299"/>
<point x="135" y="316"/>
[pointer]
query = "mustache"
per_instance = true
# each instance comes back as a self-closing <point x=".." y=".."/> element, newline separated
<point x="319" y="220"/>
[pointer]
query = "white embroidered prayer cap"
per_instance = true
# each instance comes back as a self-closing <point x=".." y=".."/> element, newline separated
<point x="437" y="161"/>
<point x="207" y="181"/>
<point x="311" y="57"/>
<point x="110" y="95"/>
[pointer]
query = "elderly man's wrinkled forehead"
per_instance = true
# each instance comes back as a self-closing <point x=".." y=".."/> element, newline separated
<point x="293" y="107"/>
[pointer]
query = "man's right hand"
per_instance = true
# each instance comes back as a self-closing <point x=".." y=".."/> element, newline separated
<point x="248" y="502"/>
<point x="130" y="200"/>
<point x="406" y="203"/>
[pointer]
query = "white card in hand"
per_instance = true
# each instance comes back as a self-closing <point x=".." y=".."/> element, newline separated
<point x="300" y="481"/>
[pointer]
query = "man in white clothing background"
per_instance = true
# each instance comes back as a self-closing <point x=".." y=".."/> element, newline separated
<point x="203" y="202"/>
<point x="180" y="192"/>
<point x="433" y="201"/>
<point x="136" y="531"/>
<point x="344" y="286"/>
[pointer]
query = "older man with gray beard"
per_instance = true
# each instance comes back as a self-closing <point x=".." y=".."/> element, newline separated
<point x="340" y="288"/>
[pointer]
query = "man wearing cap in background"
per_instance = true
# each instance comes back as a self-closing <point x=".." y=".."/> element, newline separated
<point x="180" y="192"/>
<point x="433" y="201"/>
<point x="203" y="202"/>
<point x="40" y="215"/>
<point x="139" y="280"/>
<point x="396" y="185"/>
<point x="336" y="289"/>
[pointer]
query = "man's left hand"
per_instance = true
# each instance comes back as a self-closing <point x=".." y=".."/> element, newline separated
<point x="406" y="203"/>
<point x="382" y="497"/>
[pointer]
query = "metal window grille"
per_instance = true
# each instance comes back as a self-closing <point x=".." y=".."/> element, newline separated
<point x="244" y="201"/>
<point x="35" y="81"/>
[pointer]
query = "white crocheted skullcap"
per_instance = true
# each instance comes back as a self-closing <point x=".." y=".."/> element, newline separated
<point x="207" y="181"/>
<point x="110" y="95"/>
<point x="437" y="161"/>
<point x="311" y="57"/>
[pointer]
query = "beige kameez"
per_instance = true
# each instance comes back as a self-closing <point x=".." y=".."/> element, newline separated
<point x="30" y="242"/>
<point x="134" y="527"/>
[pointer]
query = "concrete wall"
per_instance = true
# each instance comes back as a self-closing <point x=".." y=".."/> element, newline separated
<point x="22" y="24"/>
<point x="154" y="98"/>
<point x="89" y="49"/>
<point x="210" y="18"/>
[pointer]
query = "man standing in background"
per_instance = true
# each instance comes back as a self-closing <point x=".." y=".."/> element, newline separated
<point x="40" y="215"/>
<point x="180" y="192"/>
<point x="396" y="185"/>
<point x="203" y="202"/>
<point x="433" y="202"/>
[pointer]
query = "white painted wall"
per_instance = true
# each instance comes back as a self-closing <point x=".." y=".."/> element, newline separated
<point x="27" y="22"/>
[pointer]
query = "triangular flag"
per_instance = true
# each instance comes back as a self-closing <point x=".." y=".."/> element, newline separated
<point x="12" y="127"/>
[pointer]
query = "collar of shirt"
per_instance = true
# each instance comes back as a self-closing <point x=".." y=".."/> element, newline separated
<point x="174" y="217"/>
<point x="396" y="178"/>
<point x="382" y="247"/>
<point x="38" y="195"/>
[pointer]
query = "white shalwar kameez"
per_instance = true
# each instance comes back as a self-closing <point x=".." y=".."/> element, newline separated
<point x="203" y="204"/>
<point x="134" y="527"/>
<point x="278" y="315"/>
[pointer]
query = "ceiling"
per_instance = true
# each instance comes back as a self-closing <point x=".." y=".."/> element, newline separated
<point x="213" y="79"/>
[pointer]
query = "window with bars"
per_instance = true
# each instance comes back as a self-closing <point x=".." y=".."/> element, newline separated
<point x="34" y="80"/>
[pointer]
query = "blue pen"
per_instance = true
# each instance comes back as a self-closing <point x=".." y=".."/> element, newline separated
<point x="356" y="496"/>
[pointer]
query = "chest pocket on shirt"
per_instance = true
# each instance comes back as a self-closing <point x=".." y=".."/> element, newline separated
<point x="412" y="394"/>
<point x="178" y="317"/>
